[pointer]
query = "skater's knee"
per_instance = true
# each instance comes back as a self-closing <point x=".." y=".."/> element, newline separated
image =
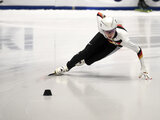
<point x="88" y="62"/>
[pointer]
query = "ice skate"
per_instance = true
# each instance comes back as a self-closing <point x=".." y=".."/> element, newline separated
<point x="59" y="71"/>
<point x="82" y="62"/>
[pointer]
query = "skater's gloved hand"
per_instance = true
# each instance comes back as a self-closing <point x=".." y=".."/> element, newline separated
<point x="144" y="74"/>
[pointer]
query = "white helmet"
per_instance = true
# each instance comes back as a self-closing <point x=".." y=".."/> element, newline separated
<point x="108" y="23"/>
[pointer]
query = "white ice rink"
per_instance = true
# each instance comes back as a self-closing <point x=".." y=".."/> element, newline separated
<point x="34" y="43"/>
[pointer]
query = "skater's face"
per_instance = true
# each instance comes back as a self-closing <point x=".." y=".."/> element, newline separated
<point x="110" y="34"/>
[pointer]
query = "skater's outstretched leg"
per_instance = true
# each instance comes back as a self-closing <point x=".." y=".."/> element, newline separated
<point x="97" y="45"/>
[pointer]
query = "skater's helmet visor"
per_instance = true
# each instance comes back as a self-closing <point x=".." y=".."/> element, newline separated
<point x="110" y="33"/>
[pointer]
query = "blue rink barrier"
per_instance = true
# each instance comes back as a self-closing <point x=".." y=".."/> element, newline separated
<point x="71" y="8"/>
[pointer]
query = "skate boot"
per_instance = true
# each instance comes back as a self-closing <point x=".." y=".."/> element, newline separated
<point x="82" y="62"/>
<point x="59" y="71"/>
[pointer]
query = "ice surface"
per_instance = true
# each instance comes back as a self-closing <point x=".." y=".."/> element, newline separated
<point x="34" y="43"/>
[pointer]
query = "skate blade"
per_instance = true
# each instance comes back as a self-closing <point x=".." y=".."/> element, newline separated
<point x="52" y="74"/>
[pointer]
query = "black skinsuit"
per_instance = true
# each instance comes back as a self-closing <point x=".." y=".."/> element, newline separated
<point x="98" y="48"/>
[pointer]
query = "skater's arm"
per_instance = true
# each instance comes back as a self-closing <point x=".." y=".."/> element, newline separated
<point x="139" y="52"/>
<point x="127" y="43"/>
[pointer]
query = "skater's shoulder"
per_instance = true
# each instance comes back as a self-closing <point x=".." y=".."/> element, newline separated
<point x="120" y="26"/>
<point x="121" y="32"/>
